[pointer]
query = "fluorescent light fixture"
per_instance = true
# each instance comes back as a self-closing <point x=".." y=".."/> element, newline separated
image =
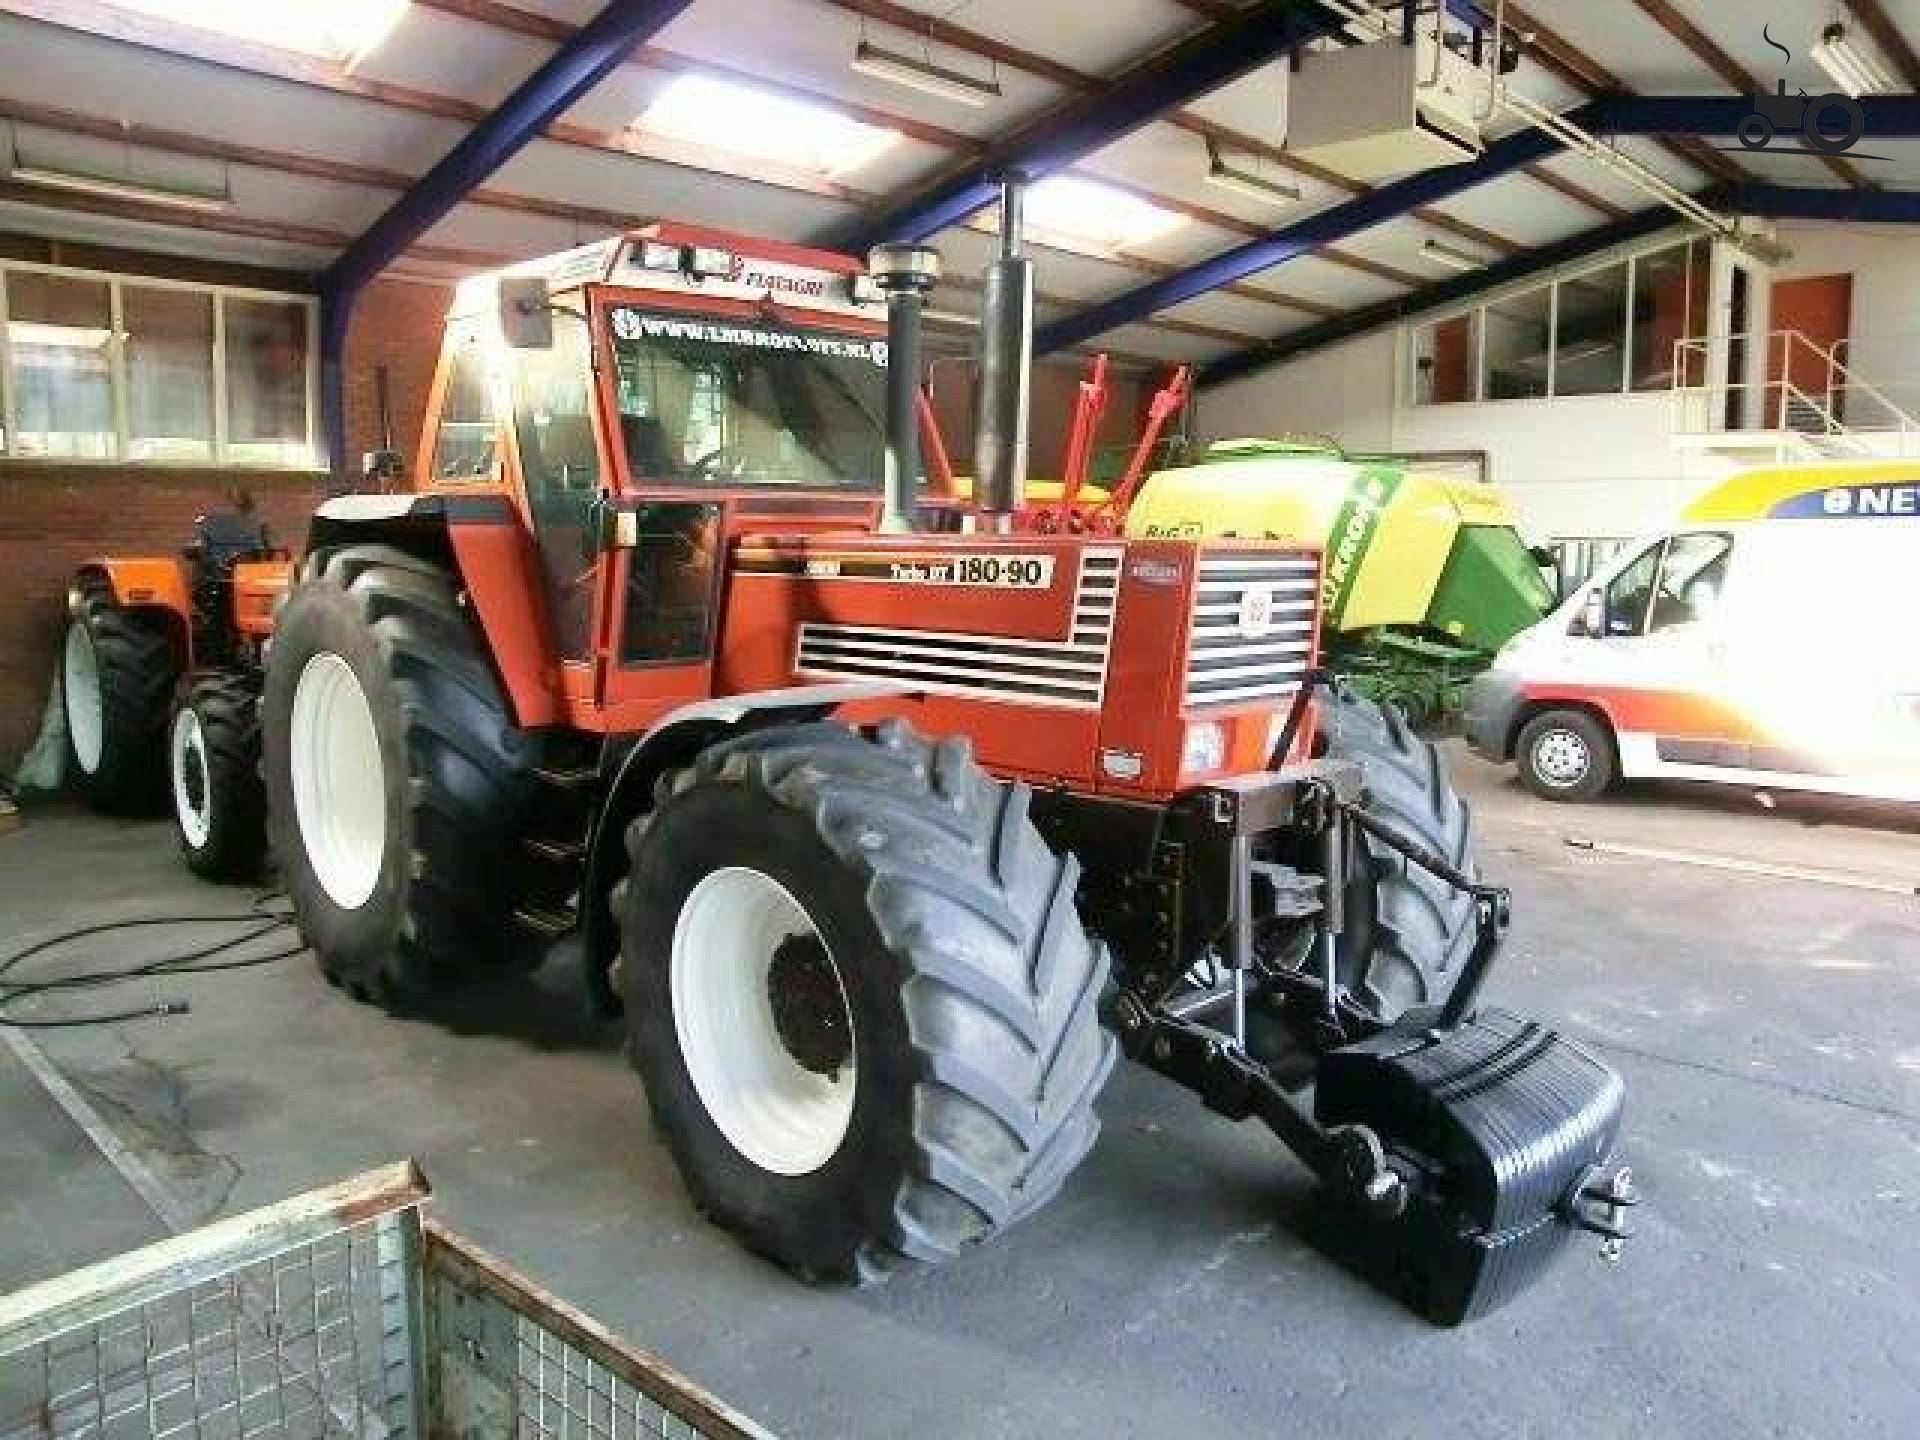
<point x="722" y="115"/>
<point x="340" y="30"/>
<point x="57" y="337"/>
<point x="205" y="202"/>
<point x="1849" y="64"/>
<point x="1225" y="175"/>
<point x="1087" y="212"/>
<point x="1441" y="253"/>
<point x="923" y="75"/>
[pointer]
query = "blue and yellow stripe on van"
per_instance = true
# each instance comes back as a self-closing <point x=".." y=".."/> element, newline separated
<point x="1838" y="490"/>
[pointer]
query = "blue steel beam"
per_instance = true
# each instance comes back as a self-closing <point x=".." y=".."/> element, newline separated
<point x="1782" y="202"/>
<point x="1328" y="227"/>
<point x="1888" y="117"/>
<point x="1208" y="60"/>
<point x="586" y="58"/>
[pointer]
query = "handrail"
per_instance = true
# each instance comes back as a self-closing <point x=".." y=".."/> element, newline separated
<point x="1827" y="403"/>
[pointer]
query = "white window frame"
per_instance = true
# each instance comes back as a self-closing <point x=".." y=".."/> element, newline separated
<point x="122" y="395"/>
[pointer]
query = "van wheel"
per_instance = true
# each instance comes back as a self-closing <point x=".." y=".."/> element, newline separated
<point x="1566" y="755"/>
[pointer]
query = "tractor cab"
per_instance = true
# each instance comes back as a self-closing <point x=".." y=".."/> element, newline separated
<point x="643" y="403"/>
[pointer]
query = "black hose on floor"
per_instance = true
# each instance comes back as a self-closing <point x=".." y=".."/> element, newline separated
<point x="261" y="920"/>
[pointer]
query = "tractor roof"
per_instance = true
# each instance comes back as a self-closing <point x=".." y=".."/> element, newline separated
<point x="697" y="260"/>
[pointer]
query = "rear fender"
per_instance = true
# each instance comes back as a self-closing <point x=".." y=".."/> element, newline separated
<point x="672" y="744"/>
<point x="480" y="539"/>
<point x="158" y="586"/>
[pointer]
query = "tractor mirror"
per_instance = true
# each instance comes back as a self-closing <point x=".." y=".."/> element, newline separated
<point x="383" y="467"/>
<point x="526" y="319"/>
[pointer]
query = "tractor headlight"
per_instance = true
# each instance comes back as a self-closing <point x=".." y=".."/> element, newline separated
<point x="1205" y="747"/>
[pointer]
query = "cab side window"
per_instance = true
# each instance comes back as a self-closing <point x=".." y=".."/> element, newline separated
<point x="1631" y="593"/>
<point x="463" y="446"/>
<point x="1692" y="574"/>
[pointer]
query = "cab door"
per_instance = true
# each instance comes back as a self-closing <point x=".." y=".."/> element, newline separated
<point x="666" y="540"/>
<point x="563" y="475"/>
<point x="1663" y="651"/>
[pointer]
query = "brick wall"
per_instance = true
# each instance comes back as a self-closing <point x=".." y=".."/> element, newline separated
<point x="53" y="516"/>
<point x="397" y="326"/>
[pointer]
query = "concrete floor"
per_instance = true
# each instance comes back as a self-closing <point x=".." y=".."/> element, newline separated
<point x="1766" y="1028"/>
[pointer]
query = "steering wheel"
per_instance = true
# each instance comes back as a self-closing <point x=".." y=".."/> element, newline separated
<point x="705" y="466"/>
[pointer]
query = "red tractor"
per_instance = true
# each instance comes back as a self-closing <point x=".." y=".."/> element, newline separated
<point x="886" y="841"/>
<point x="160" y="686"/>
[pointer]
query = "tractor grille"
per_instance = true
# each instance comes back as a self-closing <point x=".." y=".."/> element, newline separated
<point x="1069" y="672"/>
<point x="1252" y="628"/>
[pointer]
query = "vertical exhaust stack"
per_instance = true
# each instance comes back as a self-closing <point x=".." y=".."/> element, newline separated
<point x="1006" y="371"/>
<point x="904" y="273"/>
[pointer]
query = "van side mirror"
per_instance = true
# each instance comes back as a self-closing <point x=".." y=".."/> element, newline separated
<point x="526" y="317"/>
<point x="1592" y="619"/>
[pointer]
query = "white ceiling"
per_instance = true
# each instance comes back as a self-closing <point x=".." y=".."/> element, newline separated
<point x="359" y="137"/>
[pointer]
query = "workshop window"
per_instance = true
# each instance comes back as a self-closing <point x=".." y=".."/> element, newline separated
<point x="1669" y="305"/>
<point x="100" y="367"/>
<point x="60" y="363"/>
<point x="169" y="348"/>
<point x="267" y="345"/>
<point x="1590" y="333"/>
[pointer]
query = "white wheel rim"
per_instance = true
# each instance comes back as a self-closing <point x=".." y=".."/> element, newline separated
<point x="192" y="784"/>
<point x="339" y="784"/>
<point x="778" y="1114"/>
<point x="80" y="683"/>
<point x="1561" y="758"/>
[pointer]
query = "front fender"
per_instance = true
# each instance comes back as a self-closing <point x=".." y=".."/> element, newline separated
<point x="673" y="743"/>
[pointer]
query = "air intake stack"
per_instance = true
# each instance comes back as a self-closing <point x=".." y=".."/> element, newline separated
<point x="904" y="273"/>
<point x="1006" y="371"/>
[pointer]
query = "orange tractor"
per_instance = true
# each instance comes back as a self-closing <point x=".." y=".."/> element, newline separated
<point x="160" y="684"/>
<point x="886" y="838"/>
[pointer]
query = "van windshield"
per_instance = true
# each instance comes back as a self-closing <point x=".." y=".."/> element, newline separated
<point x="726" y="403"/>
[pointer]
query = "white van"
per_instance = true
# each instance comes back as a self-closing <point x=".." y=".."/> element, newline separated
<point x="1770" y="639"/>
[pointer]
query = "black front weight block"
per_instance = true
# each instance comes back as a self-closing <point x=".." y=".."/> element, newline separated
<point x="1500" y="1127"/>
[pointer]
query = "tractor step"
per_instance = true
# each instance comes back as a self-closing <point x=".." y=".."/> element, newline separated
<point x="551" y="924"/>
<point x="554" y="852"/>
<point x="556" y="777"/>
<point x="1499" y="1130"/>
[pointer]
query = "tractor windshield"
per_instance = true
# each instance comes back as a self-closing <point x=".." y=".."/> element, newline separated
<point x="725" y="403"/>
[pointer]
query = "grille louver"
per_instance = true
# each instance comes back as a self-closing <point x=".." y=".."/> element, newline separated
<point x="1048" y="672"/>
<point x="1227" y="665"/>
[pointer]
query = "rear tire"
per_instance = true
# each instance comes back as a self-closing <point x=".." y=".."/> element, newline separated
<point x="219" y="800"/>
<point x="972" y="1052"/>
<point x="117" y="674"/>
<point x="1408" y="932"/>
<point x="395" y="780"/>
<point x="1565" y="755"/>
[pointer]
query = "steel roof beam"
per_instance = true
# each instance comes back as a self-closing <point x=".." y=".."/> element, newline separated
<point x="1328" y="227"/>
<point x="1888" y="117"/>
<point x="1785" y="202"/>
<point x="1191" y="68"/>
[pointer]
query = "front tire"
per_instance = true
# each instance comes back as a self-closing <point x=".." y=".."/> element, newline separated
<point x="117" y="673"/>
<point x="395" y="779"/>
<point x="1565" y="755"/>
<point x="1408" y="932"/>
<point x="219" y="800"/>
<point x="891" y="1050"/>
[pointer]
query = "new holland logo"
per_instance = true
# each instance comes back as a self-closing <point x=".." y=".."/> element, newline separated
<point x="1256" y="611"/>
